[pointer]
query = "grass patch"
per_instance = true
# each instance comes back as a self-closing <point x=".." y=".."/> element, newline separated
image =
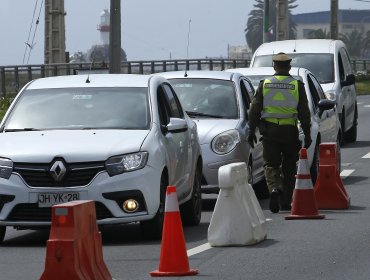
<point x="4" y="105"/>
<point x="363" y="87"/>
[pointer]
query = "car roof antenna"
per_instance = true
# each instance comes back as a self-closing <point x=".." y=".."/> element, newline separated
<point x="91" y="64"/>
<point x="295" y="46"/>
<point x="187" y="49"/>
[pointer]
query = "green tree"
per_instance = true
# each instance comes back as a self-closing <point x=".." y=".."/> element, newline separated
<point x="319" y="34"/>
<point x="254" y="29"/>
<point x="354" y="42"/>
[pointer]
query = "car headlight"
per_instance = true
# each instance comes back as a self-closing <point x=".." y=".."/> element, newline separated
<point x="6" y="168"/>
<point x="225" y="142"/>
<point x="126" y="163"/>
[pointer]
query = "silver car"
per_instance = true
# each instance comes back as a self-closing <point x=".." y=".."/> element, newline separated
<point x="118" y="140"/>
<point x="325" y="124"/>
<point x="219" y="101"/>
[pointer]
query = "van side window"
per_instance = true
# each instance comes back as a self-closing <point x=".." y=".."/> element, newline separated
<point x="341" y="67"/>
<point x="346" y="62"/>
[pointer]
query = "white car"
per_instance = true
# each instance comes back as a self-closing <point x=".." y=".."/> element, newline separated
<point x="325" y="126"/>
<point x="329" y="61"/>
<point x="118" y="140"/>
<point x="218" y="102"/>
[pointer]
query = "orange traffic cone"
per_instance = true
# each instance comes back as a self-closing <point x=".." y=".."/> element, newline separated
<point x="304" y="203"/>
<point x="174" y="259"/>
<point x="329" y="189"/>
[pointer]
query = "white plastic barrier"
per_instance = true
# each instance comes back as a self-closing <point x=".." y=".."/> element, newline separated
<point x="237" y="219"/>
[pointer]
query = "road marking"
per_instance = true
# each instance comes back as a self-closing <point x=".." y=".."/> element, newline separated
<point x="366" y="156"/>
<point x="366" y="106"/>
<point x="346" y="172"/>
<point x="360" y="103"/>
<point x="199" y="249"/>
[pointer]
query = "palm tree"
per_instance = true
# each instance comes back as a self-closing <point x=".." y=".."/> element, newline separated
<point x="354" y="42"/>
<point x="254" y="30"/>
<point x="319" y="34"/>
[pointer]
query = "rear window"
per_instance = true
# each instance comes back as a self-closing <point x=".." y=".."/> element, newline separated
<point x="320" y="64"/>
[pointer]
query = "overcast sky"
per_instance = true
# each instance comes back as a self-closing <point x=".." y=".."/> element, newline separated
<point x="151" y="29"/>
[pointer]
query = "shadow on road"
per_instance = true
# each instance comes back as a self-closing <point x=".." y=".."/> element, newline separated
<point x="357" y="144"/>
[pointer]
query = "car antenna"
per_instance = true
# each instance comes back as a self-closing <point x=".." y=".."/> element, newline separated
<point x="187" y="49"/>
<point x="295" y="46"/>
<point x="91" y="64"/>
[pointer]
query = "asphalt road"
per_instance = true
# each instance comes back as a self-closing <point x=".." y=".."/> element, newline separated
<point x="337" y="247"/>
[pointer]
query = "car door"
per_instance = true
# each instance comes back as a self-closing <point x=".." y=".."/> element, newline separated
<point x="257" y="152"/>
<point x="348" y="92"/>
<point x="179" y="143"/>
<point x="327" y="121"/>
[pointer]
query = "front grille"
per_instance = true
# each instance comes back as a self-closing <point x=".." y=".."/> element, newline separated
<point x="30" y="212"/>
<point x="77" y="174"/>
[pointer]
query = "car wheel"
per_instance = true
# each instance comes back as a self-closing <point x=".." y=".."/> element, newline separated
<point x="191" y="211"/>
<point x="314" y="170"/>
<point x="351" y="134"/>
<point x="2" y="233"/>
<point x="260" y="189"/>
<point x="339" y="155"/>
<point x="152" y="229"/>
<point x="342" y="126"/>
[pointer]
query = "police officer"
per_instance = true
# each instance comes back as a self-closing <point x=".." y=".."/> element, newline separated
<point x="279" y="102"/>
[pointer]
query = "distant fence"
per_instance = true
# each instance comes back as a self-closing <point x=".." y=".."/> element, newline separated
<point x="13" y="78"/>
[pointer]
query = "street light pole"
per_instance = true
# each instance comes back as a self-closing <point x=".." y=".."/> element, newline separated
<point x="266" y="22"/>
<point x="115" y="37"/>
<point x="334" y="19"/>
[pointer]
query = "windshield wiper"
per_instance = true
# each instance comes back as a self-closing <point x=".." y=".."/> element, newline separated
<point x="199" y="114"/>
<point x="21" y="129"/>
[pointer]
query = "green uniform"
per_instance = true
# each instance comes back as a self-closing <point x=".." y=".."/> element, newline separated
<point x="277" y="105"/>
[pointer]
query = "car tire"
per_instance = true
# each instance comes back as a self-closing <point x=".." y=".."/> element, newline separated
<point x="351" y="134"/>
<point x="260" y="189"/>
<point x="2" y="233"/>
<point x="191" y="211"/>
<point x="152" y="229"/>
<point x="314" y="170"/>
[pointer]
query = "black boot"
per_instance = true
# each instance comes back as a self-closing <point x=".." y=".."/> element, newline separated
<point x="274" y="201"/>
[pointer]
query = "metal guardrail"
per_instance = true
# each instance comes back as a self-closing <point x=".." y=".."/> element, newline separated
<point x="13" y="78"/>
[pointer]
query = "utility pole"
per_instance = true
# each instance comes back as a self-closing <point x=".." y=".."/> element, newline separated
<point x="334" y="19"/>
<point x="115" y="37"/>
<point x="266" y="22"/>
<point x="282" y="20"/>
<point x="55" y="45"/>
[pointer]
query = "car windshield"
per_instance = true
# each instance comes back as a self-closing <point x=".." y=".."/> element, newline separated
<point x="206" y="97"/>
<point x="80" y="108"/>
<point x="320" y="64"/>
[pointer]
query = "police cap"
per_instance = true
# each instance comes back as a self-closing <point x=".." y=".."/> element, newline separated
<point x="281" y="59"/>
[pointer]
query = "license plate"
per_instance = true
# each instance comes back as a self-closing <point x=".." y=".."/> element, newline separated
<point x="50" y="199"/>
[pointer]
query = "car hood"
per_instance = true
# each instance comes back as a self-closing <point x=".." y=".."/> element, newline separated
<point x="209" y="128"/>
<point x="72" y="145"/>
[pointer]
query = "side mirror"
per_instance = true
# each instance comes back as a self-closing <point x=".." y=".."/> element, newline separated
<point x="325" y="105"/>
<point x="177" y="125"/>
<point x="350" y="80"/>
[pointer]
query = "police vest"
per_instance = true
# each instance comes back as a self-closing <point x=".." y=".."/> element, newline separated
<point x="280" y="100"/>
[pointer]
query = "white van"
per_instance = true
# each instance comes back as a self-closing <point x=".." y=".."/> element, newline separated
<point x="329" y="61"/>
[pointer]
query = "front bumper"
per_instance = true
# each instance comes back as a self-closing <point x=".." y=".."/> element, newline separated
<point x="107" y="192"/>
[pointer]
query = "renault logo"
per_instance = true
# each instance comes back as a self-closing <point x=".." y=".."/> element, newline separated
<point x="58" y="170"/>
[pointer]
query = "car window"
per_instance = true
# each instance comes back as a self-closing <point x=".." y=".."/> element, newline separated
<point x="175" y="107"/>
<point x="314" y="94"/>
<point x="320" y="64"/>
<point x="250" y="89"/>
<point x="211" y="97"/>
<point x="245" y="95"/>
<point x="318" y="88"/>
<point x="346" y="62"/>
<point x="81" y="108"/>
